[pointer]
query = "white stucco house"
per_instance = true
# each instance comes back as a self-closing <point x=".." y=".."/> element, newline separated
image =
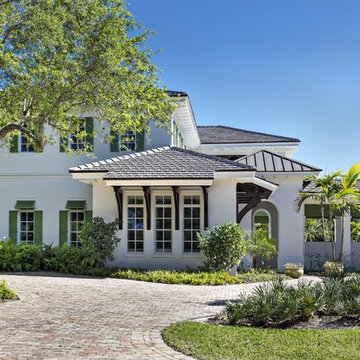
<point x="163" y="190"/>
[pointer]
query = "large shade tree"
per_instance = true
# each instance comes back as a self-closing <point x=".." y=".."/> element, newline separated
<point x="60" y="57"/>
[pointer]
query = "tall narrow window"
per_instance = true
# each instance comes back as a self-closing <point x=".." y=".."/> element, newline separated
<point x="77" y="142"/>
<point x="191" y="223"/>
<point x="27" y="227"/>
<point x="135" y="224"/>
<point x="128" y="141"/>
<point x="76" y="222"/>
<point x="25" y="144"/>
<point x="163" y="223"/>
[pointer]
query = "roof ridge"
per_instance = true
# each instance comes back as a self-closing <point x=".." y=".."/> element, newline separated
<point x="248" y="131"/>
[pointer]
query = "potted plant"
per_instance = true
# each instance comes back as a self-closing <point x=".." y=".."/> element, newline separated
<point x="294" y="270"/>
<point x="333" y="268"/>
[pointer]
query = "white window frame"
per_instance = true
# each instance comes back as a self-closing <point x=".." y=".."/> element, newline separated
<point x="128" y="139"/>
<point x="201" y="224"/>
<point x="19" y="241"/>
<point x="127" y="206"/>
<point x="77" y="242"/>
<point x="23" y="140"/>
<point x="155" y="206"/>
<point x="79" y="144"/>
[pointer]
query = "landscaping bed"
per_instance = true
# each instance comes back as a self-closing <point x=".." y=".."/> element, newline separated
<point x="6" y="293"/>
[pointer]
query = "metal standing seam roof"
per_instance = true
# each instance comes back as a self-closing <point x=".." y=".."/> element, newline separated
<point x="266" y="161"/>
<point x="162" y="163"/>
<point x="229" y="135"/>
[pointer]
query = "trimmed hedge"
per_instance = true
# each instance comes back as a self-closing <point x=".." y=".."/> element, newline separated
<point x="191" y="277"/>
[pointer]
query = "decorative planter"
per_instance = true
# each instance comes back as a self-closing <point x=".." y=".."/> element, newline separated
<point x="294" y="270"/>
<point x="332" y="267"/>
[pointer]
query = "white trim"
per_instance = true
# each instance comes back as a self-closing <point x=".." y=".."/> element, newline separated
<point x="159" y="182"/>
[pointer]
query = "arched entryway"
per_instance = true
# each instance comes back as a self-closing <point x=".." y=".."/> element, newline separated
<point x="265" y="214"/>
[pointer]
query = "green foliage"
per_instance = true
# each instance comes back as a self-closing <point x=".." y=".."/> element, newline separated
<point x="5" y="292"/>
<point x="98" y="240"/>
<point x="59" y="57"/>
<point x="208" y="342"/>
<point x="223" y="247"/>
<point x="333" y="269"/>
<point x="314" y="230"/>
<point x="22" y="257"/>
<point x="256" y="275"/>
<point x="192" y="277"/>
<point x="258" y="243"/>
<point x="276" y="304"/>
<point x="355" y="230"/>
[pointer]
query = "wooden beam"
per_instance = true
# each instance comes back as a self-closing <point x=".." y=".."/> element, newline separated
<point x="147" y="196"/>
<point x="177" y="211"/>
<point x="206" y="206"/>
<point x="119" y="199"/>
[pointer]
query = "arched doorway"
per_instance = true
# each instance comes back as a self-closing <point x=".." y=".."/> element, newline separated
<point x="266" y="215"/>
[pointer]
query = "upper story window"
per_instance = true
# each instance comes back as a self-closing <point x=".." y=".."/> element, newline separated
<point x="163" y="221"/>
<point x="191" y="223"/>
<point x="77" y="142"/>
<point x="24" y="144"/>
<point x="128" y="141"/>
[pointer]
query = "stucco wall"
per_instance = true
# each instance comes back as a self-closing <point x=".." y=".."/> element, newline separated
<point x="50" y="195"/>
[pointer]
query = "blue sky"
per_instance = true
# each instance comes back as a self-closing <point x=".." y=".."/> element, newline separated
<point x="284" y="67"/>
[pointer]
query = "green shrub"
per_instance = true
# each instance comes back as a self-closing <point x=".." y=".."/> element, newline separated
<point x="5" y="292"/>
<point x="223" y="247"/>
<point x="98" y="240"/>
<point x="278" y="304"/>
<point x="24" y="257"/>
<point x="191" y="277"/>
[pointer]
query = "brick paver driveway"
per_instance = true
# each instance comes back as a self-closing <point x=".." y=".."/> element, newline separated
<point x="74" y="317"/>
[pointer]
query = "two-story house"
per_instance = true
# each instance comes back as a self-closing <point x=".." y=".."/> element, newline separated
<point x="163" y="189"/>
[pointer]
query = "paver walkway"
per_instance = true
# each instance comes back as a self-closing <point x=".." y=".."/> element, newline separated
<point x="86" y="318"/>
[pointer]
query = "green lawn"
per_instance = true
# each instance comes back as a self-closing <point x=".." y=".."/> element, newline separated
<point x="204" y="341"/>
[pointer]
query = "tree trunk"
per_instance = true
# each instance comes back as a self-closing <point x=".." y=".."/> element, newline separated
<point x="332" y="235"/>
<point x="255" y="262"/>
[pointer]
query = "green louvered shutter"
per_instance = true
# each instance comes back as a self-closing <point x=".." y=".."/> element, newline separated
<point x="114" y="144"/>
<point x="63" y="227"/>
<point x="14" y="144"/>
<point x="38" y="227"/>
<point x="140" y="141"/>
<point x="88" y="216"/>
<point x="63" y="143"/>
<point x="89" y="127"/>
<point x="13" y="226"/>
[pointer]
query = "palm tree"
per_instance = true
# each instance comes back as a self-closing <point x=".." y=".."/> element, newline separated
<point x="347" y="199"/>
<point x="326" y="187"/>
<point x="258" y="243"/>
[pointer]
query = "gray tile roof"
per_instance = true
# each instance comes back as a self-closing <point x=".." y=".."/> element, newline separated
<point x="162" y="163"/>
<point x="225" y="135"/>
<point x="266" y="161"/>
<point x="309" y="186"/>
